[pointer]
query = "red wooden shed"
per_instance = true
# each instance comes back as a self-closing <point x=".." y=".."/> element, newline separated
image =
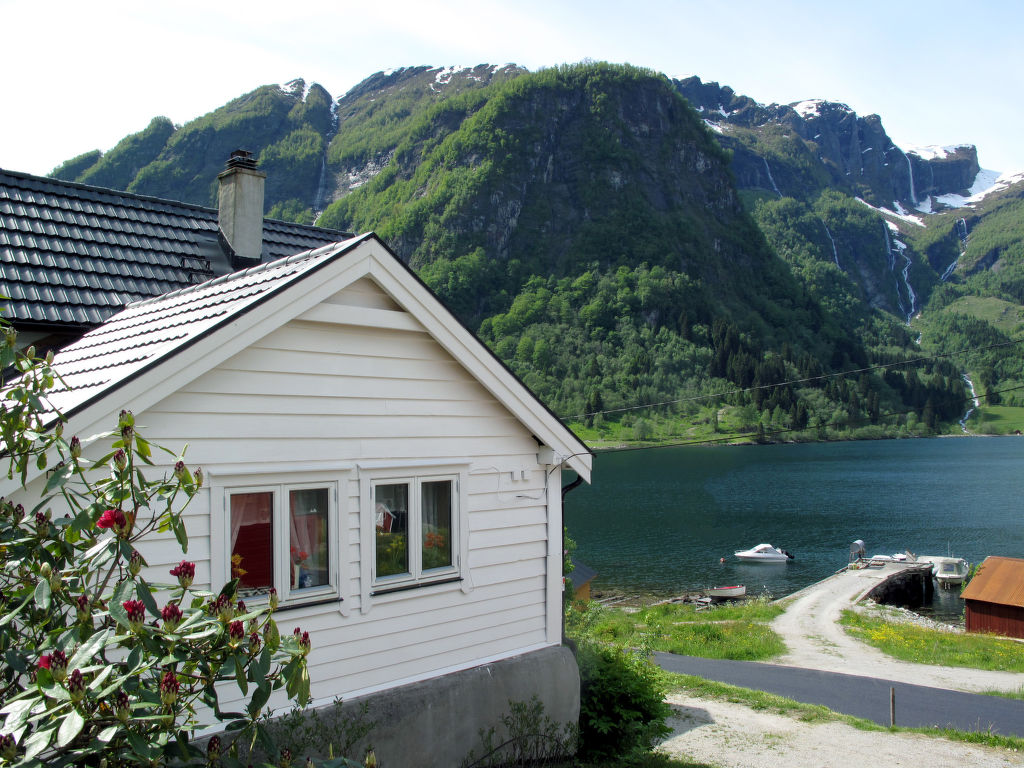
<point x="994" y="599"/>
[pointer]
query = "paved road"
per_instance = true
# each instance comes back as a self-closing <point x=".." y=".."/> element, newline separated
<point x="917" y="706"/>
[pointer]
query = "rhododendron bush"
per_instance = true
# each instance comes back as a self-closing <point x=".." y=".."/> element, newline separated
<point x="102" y="659"/>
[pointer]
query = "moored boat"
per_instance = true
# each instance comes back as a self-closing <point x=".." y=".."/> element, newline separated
<point x="764" y="553"/>
<point x="948" y="571"/>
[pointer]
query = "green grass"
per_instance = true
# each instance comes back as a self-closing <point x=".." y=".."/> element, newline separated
<point x="814" y="713"/>
<point x="997" y="420"/>
<point x="739" y="631"/>
<point x="908" y="642"/>
<point x="1004" y="315"/>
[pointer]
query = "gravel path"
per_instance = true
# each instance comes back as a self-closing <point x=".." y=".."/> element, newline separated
<point x="732" y="735"/>
<point x="810" y="629"/>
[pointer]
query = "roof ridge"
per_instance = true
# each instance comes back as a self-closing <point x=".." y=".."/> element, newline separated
<point x="248" y="272"/>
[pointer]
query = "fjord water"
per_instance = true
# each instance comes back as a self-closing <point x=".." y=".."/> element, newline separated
<point x="657" y="521"/>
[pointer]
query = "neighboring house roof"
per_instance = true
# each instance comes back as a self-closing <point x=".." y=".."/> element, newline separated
<point x="999" y="580"/>
<point x="153" y="347"/>
<point x="580" y="574"/>
<point x="72" y="255"/>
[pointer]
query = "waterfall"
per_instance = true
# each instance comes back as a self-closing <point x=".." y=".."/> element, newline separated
<point x="769" y="171"/>
<point x="891" y="247"/>
<point x="835" y="254"/>
<point x="949" y="270"/>
<point x="910" y="173"/>
<point x="974" y="398"/>
<point x="321" y="189"/>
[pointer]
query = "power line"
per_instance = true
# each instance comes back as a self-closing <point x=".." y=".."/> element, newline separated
<point x="823" y="377"/>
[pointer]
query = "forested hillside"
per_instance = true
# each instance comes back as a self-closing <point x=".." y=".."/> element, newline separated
<point x="621" y="239"/>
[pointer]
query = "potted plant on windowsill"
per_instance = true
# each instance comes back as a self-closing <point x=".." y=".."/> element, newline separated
<point x="299" y="557"/>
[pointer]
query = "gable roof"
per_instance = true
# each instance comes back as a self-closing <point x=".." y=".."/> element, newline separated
<point x="999" y="580"/>
<point x="72" y="255"/>
<point x="155" y="346"/>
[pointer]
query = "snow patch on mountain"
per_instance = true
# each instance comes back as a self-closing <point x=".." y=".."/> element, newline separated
<point x="985" y="183"/>
<point x="935" y="152"/>
<point x="899" y="212"/>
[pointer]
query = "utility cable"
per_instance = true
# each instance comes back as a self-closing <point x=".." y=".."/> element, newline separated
<point x="822" y="377"/>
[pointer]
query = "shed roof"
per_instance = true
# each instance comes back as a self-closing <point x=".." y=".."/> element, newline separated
<point x="999" y="580"/>
<point x="72" y="255"/>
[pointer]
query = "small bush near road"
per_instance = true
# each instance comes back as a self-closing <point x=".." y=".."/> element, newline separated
<point x="622" y="703"/>
<point x="909" y="642"/>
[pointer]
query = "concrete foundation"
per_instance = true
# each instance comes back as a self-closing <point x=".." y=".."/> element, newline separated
<point x="437" y="723"/>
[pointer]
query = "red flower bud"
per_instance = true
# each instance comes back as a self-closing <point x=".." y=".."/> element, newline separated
<point x="185" y="573"/>
<point x="8" y="747"/>
<point x="122" y="707"/>
<point x="76" y="447"/>
<point x="136" y="613"/>
<point x="171" y="614"/>
<point x="82" y="608"/>
<point x="169" y="687"/>
<point x="76" y="686"/>
<point x="302" y="638"/>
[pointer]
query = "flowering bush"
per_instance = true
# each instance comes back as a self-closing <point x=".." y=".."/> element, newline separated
<point x="97" y="662"/>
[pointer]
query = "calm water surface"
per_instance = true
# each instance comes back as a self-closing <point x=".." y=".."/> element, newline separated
<point x="658" y="521"/>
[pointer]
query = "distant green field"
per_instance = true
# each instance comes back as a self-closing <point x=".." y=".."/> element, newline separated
<point x="1004" y="315"/>
<point x="997" y="420"/>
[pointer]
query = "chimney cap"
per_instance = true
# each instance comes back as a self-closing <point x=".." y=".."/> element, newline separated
<point x="241" y="158"/>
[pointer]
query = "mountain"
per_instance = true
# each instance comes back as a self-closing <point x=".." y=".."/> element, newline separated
<point x="621" y="238"/>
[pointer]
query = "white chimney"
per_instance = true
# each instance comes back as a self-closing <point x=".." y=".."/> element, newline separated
<point x="240" y="204"/>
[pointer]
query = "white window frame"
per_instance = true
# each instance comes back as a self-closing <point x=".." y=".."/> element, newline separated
<point x="414" y="476"/>
<point x="280" y="485"/>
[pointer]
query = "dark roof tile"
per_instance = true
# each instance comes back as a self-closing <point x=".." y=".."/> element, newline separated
<point x="105" y="248"/>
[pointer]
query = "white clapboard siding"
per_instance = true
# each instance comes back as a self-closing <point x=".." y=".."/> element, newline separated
<point x="365" y="397"/>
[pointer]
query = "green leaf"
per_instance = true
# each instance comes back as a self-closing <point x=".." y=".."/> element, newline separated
<point x="108" y="733"/>
<point x="59" y="477"/>
<point x="89" y="648"/>
<point x="146" y="596"/>
<point x="179" y="533"/>
<point x="42" y="595"/>
<point x="8" y="618"/>
<point x="70" y="727"/>
<point x="243" y="684"/>
<point x="37" y="742"/>
<point x="259" y="699"/>
<point x="118" y="613"/>
<point x="142" y="448"/>
<point x="273" y="636"/>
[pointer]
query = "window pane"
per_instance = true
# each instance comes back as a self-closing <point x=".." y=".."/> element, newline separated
<point x="437" y="524"/>
<point x="252" y="540"/>
<point x="391" y="516"/>
<point x="308" y="524"/>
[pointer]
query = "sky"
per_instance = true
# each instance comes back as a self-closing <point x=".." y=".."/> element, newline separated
<point x="79" y="76"/>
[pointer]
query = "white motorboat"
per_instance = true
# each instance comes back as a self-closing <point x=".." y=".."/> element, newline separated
<point x="764" y="553"/>
<point x="948" y="571"/>
<point x="726" y="593"/>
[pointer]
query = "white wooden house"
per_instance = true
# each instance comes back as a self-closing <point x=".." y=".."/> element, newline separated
<point x="323" y="393"/>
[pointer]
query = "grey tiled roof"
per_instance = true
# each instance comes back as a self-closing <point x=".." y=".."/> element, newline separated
<point x="148" y="332"/>
<point x="72" y="255"/>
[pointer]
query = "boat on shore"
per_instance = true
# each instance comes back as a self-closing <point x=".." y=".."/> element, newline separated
<point x="726" y="593"/>
<point x="764" y="553"/>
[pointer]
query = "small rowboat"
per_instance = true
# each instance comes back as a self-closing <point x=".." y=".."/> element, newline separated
<point x="725" y="593"/>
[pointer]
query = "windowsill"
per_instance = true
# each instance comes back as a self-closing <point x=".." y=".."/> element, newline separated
<point x="311" y="603"/>
<point x="382" y="590"/>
